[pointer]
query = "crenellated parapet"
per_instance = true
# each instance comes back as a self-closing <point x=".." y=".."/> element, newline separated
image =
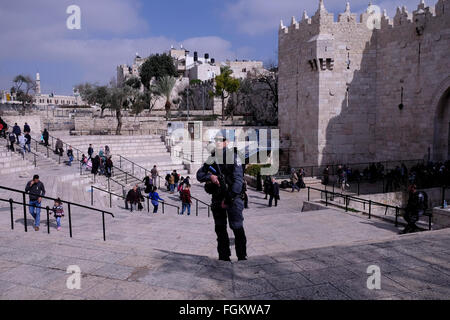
<point x="372" y="18"/>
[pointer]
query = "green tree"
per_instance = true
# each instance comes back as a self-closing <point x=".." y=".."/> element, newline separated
<point x="164" y="87"/>
<point x="157" y="66"/>
<point x="94" y="95"/>
<point x="225" y="85"/>
<point x="25" y="88"/>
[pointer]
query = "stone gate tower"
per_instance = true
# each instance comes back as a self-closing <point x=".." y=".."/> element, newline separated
<point x="359" y="90"/>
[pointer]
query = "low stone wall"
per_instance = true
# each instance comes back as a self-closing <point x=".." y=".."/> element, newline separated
<point x="441" y="218"/>
<point x="129" y="123"/>
<point x="33" y="120"/>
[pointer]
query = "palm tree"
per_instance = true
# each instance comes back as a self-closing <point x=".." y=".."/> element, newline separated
<point x="164" y="87"/>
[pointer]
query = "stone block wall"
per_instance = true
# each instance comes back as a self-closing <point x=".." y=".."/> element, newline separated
<point x="341" y="84"/>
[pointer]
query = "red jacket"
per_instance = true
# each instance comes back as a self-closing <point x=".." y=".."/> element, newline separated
<point x="186" y="196"/>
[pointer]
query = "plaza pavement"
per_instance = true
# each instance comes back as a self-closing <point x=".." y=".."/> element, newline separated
<point x="292" y="255"/>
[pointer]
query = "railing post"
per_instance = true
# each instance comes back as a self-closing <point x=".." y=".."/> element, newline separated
<point x="70" y="219"/>
<point x="132" y="168"/>
<point x="443" y="197"/>
<point x="358" y="189"/>
<point x="92" y="195"/>
<point x="209" y="211"/>
<point x="396" y="216"/>
<point x="48" y="219"/>
<point x="104" y="230"/>
<point x="370" y="209"/>
<point x="35" y="165"/>
<point x="346" y="203"/>
<point x="326" y="198"/>
<point x="196" y="207"/>
<point x="126" y="178"/>
<point x="11" y="206"/>
<point x="148" y="204"/>
<point x="163" y="207"/>
<point x="25" y="212"/>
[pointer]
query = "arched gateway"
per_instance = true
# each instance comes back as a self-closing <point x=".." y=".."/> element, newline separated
<point x="441" y="141"/>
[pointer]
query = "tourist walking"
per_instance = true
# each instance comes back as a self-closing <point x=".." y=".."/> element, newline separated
<point x="26" y="128"/>
<point x="12" y="140"/>
<point x="154" y="172"/>
<point x="3" y="128"/>
<point x="244" y="194"/>
<point x="267" y="183"/>
<point x="59" y="212"/>
<point x="36" y="190"/>
<point x="59" y="147"/>
<point x="274" y="193"/>
<point x="108" y="167"/>
<point x="172" y="183"/>
<point x="28" y="142"/>
<point x="186" y="200"/>
<point x="45" y="136"/>
<point x="176" y="179"/>
<point x="294" y="180"/>
<point x="148" y="182"/>
<point x="70" y="156"/>
<point x="22" y="142"/>
<point x="326" y="175"/>
<point x="416" y="207"/>
<point x="90" y="151"/>
<point x="133" y="198"/>
<point x="155" y="198"/>
<point x="95" y="164"/>
<point x="17" y="131"/>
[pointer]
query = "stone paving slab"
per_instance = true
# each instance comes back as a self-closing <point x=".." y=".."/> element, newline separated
<point x="310" y="274"/>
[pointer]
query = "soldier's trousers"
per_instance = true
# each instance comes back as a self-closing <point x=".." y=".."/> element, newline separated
<point x="236" y="221"/>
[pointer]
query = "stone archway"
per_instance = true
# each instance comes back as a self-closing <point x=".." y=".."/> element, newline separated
<point x="441" y="140"/>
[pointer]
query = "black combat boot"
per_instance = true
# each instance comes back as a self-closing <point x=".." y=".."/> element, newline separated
<point x="240" y="242"/>
<point x="223" y="243"/>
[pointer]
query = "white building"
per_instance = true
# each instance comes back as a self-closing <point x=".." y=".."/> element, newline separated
<point x="42" y="99"/>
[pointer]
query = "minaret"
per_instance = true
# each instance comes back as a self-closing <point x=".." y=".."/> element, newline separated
<point x="38" y="83"/>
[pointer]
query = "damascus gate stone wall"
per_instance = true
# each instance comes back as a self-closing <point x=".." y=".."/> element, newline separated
<point x="342" y="83"/>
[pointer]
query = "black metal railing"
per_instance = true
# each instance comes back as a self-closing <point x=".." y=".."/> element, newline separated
<point x="197" y="201"/>
<point x="111" y="194"/>
<point x="69" y="206"/>
<point x="317" y="171"/>
<point x="347" y="198"/>
<point x="110" y="132"/>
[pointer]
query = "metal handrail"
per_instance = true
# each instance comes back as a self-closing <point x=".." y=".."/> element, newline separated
<point x="347" y="199"/>
<point x="319" y="169"/>
<point x="69" y="204"/>
<point x="119" y="196"/>
<point x="202" y="202"/>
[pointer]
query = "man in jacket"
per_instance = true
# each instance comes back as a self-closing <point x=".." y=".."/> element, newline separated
<point x="36" y="190"/>
<point x="224" y="175"/>
<point x="274" y="193"/>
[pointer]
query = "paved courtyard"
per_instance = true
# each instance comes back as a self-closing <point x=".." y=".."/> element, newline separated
<point x="293" y="254"/>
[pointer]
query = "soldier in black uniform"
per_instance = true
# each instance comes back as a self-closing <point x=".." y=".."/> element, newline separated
<point x="225" y="182"/>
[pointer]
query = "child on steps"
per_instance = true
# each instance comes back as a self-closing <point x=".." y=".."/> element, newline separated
<point x="59" y="213"/>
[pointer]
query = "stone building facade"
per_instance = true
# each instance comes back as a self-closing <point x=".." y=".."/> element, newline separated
<point x="368" y="89"/>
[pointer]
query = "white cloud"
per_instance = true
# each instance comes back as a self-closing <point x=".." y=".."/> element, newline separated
<point x="34" y="32"/>
<point x="255" y="17"/>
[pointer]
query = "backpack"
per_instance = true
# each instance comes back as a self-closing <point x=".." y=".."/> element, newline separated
<point x="422" y="202"/>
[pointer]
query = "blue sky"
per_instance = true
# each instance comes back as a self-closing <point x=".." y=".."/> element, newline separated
<point x="34" y="36"/>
